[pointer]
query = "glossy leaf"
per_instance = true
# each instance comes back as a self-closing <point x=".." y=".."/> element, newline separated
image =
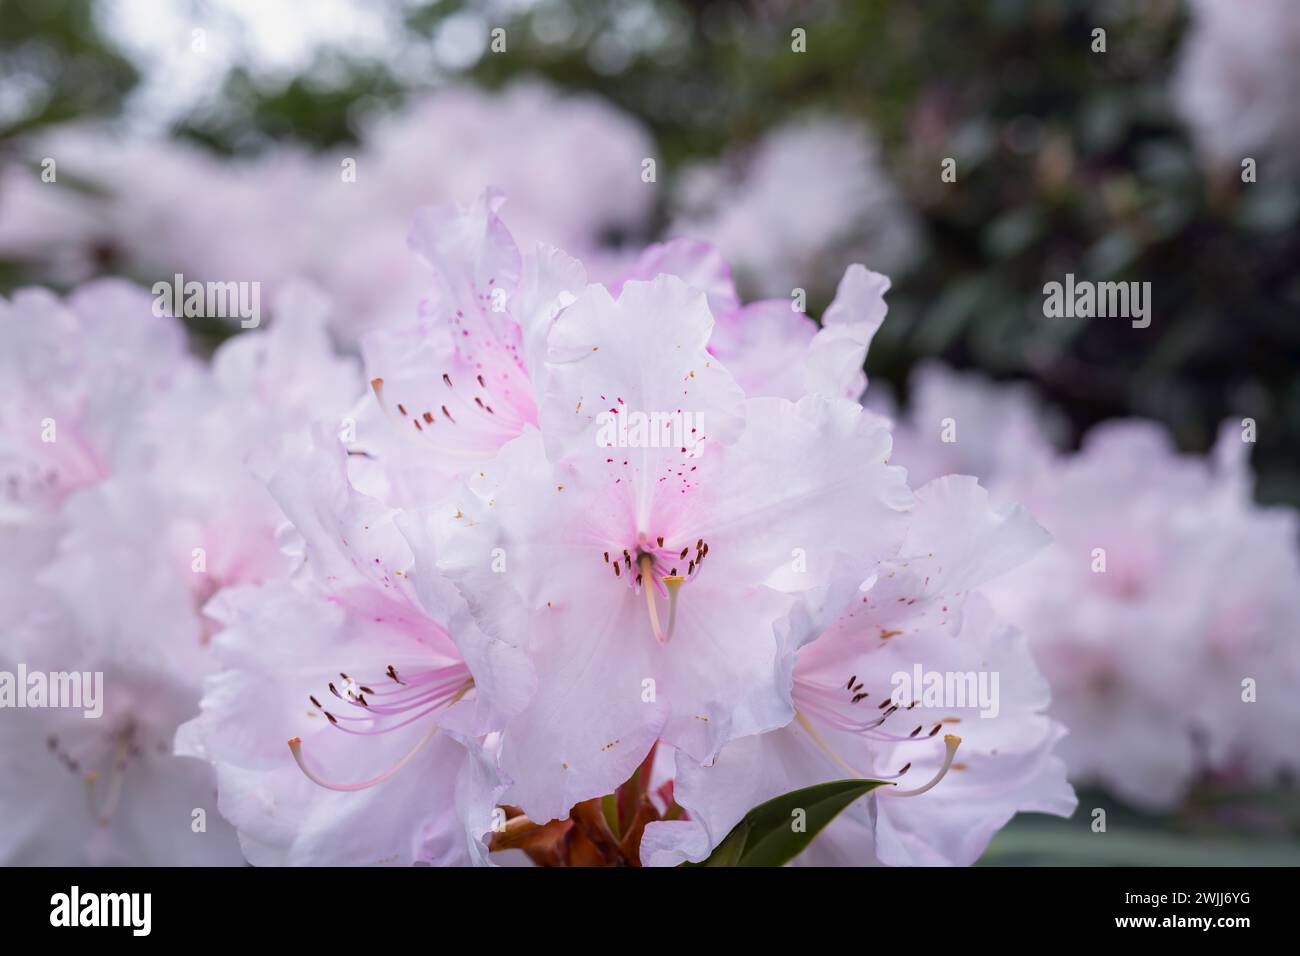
<point x="768" y="835"/>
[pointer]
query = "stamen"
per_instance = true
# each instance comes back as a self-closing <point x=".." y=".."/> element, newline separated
<point x="377" y="386"/>
<point x="951" y="743"/>
<point x="646" y="564"/>
<point x="424" y="696"/>
<point x="295" y="747"/>
<point x="818" y="739"/>
<point x="672" y="584"/>
<point x="103" y="814"/>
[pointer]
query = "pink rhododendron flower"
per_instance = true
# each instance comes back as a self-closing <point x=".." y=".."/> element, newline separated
<point x="336" y="219"/>
<point x="387" y="762"/>
<point x="52" y="232"/>
<point x="464" y="377"/>
<point x="809" y="195"/>
<point x="963" y="423"/>
<point x="1236" y="80"/>
<point x="1162" y="613"/>
<point x="514" y="592"/>
<point x="84" y="790"/>
<point x="658" y="590"/>
<point x="770" y="346"/>
<point x="457" y="383"/>
<point x="851" y="718"/>
<point x="559" y="541"/>
<point x="76" y="375"/>
<point x="578" y="181"/>
<point x="78" y="379"/>
<point x="135" y="507"/>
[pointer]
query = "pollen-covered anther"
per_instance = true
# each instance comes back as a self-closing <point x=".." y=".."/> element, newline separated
<point x="419" y="433"/>
<point x="410" y="701"/>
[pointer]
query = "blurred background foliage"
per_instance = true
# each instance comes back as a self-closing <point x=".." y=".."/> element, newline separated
<point x="1066" y="160"/>
<point x="56" y="66"/>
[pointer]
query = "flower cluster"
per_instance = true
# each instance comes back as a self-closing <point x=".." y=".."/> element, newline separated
<point x="336" y="218"/>
<point x="1162" y="612"/>
<point x="130" y="498"/>
<point x="449" y="617"/>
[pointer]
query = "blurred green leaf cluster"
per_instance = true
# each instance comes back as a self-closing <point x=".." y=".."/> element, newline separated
<point x="55" y="66"/>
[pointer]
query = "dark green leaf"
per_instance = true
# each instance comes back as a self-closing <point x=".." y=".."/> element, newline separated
<point x="767" y="836"/>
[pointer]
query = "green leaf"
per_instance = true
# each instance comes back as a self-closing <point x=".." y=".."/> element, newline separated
<point x="767" y="835"/>
<point x="729" y="851"/>
<point x="1056" y="845"/>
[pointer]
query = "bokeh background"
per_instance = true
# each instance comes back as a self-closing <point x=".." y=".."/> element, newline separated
<point x="1122" y="165"/>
